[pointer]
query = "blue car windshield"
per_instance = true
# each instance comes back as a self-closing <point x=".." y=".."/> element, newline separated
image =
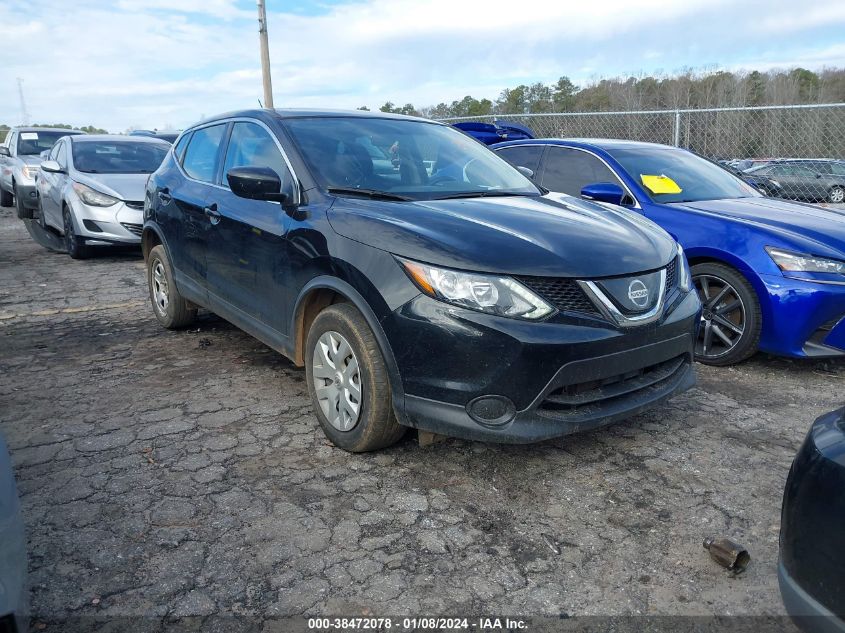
<point x="674" y="175"/>
<point x="118" y="157"/>
<point x="402" y="159"/>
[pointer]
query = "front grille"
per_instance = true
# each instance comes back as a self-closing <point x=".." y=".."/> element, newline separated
<point x="133" y="204"/>
<point x="671" y="274"/>
<point x="562" y="293"/>
<point x="137" y="229"/>
<point x="585" y="397"/>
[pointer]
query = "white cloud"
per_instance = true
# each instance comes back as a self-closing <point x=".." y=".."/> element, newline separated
<point x="146" y="63"/>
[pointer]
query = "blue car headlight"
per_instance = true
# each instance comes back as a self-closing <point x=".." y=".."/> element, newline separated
<point x="493" y="294"/>
<point x="801" y="263"/>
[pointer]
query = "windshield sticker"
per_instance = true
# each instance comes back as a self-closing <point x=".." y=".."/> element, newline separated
<point x="660" y="184"/>
<point x="29" y="136"/>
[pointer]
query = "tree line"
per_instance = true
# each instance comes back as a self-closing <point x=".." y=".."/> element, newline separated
<point x="688" y="89"/>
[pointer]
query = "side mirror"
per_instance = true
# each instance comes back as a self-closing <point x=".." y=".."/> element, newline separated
<point x="4" y="151"/>
<point x="257" y="183"/>
<point x="603" y="192"/>
<point x="52" y="167"/>
<point x="528" y="173"/>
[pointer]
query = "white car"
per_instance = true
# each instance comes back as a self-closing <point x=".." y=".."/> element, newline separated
<point x="91" y="188"/>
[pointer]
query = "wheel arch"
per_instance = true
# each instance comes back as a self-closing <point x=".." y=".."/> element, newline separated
<point x="323" y="291"/>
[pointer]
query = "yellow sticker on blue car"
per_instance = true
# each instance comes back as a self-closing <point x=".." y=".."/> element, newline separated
<point x="660" y="184"/>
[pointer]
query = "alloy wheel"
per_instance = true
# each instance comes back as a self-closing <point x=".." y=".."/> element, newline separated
<point x="161" y="291"/>
<point x="723" y="317"/>
<point x="837" y="195"/>
<point x="337" y="381"/>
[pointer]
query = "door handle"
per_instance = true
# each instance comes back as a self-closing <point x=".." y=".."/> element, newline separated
<point x="213" y="215"/>
<point x="164" y="196"/>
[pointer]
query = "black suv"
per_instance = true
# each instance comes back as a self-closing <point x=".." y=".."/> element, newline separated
<point x="420" y="279"/>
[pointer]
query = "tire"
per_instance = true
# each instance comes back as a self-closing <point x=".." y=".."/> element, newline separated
<point x="171" y="309"/>
<point x="23" y="212"/>
<point x="836" y="194"/>
<point x="42" y="222"/>
<point x="375" y="426"/>
<point x="74" y="244"/>
<point x="740" y="324"/>
<point x="6" y="198"/>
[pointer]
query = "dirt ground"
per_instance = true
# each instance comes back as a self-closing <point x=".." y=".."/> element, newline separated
<point x="183" y="473"/>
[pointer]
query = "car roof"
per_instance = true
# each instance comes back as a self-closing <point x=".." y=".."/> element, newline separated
<point x="298" y="113"/>
<point x="32" y="128"/>
<point x="600" y="143"/>
<point x="93" y="138"/>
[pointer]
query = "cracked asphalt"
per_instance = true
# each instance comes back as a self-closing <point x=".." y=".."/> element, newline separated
<point x="183" y="474"/>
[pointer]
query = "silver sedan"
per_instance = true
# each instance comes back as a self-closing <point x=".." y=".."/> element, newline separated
<point x="91" y="189"/>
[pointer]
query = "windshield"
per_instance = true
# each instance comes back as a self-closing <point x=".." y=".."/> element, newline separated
<point x="404" y="159"/>
<point x="34" y="142"/>
<point x="672" y="175"/>
<point x="118" y="157"/>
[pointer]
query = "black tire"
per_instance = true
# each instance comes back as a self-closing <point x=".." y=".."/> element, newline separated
<point x="376" y="426"/>
<point x="74" y="245"/>
<point x="42" y="222"/>
<point x="836" y="194"/>
<point x="23" y="212"/>
<point x="175" y="311"/>
<point x="6" y="198"/>
<point x="746" y="343"/>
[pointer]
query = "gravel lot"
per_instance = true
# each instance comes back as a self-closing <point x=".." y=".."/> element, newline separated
<point x="183" y="473"/>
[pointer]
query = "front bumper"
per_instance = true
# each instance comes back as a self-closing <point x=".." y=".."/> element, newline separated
<point x="481" y="377"/>
<point x="812" y="555"/>
<point x="803" y="318"/>
<point x="118" y="223"/>
<point x="28" y="194"/>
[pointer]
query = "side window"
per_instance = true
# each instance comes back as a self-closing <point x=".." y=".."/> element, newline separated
<point x="570" y="170"/>
<point x="523" y="156"/>
<point x="250" y="145"/>
<point x="201" y="156"/>
<point x="61" y="154"/>
<point x="12" y="143"/>
<point x="179" y="150"/>
<point x="54" y="153"/>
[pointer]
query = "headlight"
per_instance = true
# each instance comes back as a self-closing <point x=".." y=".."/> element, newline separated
<point x="774" y="182"/>
<point x="684" y="276"/>
<point x="796" y="262"/>
<point x="93" y="197"/>
<point x="485" y="293"/>
<point x="29" y="171"/>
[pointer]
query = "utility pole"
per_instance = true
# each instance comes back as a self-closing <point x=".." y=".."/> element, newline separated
<point x="24" y="113"/>
<point x="265" y="55"/>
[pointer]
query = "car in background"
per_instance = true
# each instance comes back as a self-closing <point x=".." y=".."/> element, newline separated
<point x="170" y="137"/>
<point x="496" y="132"/>
<point x="450" y="295"/>
<point x="747" y="163"/>
<point x="770" y="273"/>
<point x="763" y="184"/>
<point x="19" y="160"/>
<point x="812" y="556"/>
<point x="13" y="562"/>
<point x="800" y="180"/>
<point x="91" y="189"/>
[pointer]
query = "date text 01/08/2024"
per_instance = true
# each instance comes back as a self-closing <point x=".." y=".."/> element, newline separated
<point x="416" y="624"/>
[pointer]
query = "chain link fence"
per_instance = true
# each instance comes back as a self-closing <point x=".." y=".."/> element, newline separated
<point x="794" y="152"/>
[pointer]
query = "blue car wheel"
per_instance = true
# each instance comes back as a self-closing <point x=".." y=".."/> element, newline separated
<point x="730" y="318"/>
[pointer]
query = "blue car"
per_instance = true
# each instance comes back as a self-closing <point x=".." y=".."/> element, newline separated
<point x="770" y="273"/>
<point x="490" y="133"/>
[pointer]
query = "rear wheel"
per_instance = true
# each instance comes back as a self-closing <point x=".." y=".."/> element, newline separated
<point x="348" y="381"/>
<point x="6" y="198"/>
<point x="836" y="195"/>
<point x="74" y="244"/>
<point x="730" y="320"/>
<point x="171" y="309"/>
<point x="23" y="212"/>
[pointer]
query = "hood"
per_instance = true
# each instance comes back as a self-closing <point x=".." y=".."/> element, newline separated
<point x="124" y="186"/>
<point x="788" y="220"/>
<point x="30" y="159"/>
<point x="552" y="235"/>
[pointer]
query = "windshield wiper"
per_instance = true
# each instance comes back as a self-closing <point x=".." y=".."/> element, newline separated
<point x="375" y="194"/>
<point x="481" y="194"/>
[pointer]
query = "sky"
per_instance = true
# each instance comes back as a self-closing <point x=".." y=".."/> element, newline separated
<point x="123" y="64"/>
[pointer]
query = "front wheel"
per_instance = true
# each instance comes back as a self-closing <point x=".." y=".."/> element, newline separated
<point x="74" y="244"/>
<point x="730" y="319"/>
<point x="348" y="381"/>
<point x="836" y="195"/>
<point x="6" y="198"/>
